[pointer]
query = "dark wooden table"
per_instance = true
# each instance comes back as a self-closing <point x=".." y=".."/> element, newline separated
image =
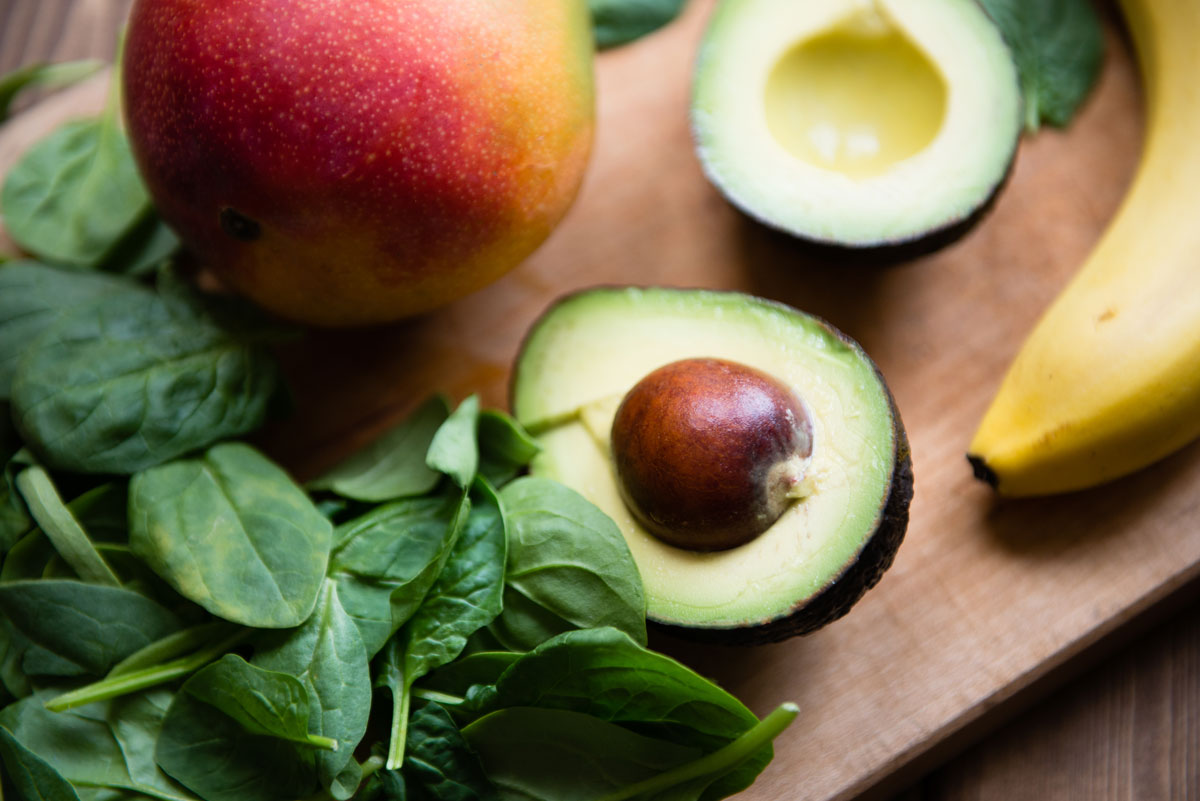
<point x="1122" y="724"/>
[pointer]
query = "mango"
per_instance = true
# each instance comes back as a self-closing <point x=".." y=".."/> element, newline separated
<point x="351" y="162"/>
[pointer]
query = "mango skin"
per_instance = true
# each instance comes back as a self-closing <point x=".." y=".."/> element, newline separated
<point x="394" y="154"/>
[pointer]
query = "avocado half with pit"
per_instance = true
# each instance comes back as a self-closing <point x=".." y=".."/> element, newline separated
<point x="751" y="454"/>
<point x="880" y="126"/>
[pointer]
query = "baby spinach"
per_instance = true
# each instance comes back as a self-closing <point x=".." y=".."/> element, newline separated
<point x="504" y="447"/>
<point x="568" y="568"/>
<point x="134" y="379"/>
<point x="62" y="529"/>
<point x="232" y="532"/>
<point x="440" y="765"/>
<point x="262" y="701"/>
<point x="455" y="447"/>
<point x="392" y="466"/>
<point x="212" y="755"/>
<point x="327" y="655"/>
<point x="466" y="596"/>
<point x="32" y="778"/>
<point x="75" y="194"/>
<point x="1058" y="46"/>
<point x="33" y="296"/>
<point x="386" y="560"/>
<point x="74" y="628"/>
<point x="144" y="249"/>
<point x="559" y="755"/>
<point x="14" y="514"/>
<point x="616" y="22"/>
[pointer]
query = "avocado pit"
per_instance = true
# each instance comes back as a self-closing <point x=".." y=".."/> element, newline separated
<point x="709" y="453"/>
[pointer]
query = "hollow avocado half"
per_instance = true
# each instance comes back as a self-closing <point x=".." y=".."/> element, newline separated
<point x="589" y="349"/>
<point x="881" y="127"/>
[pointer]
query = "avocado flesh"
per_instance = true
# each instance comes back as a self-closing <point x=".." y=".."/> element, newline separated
<point x="856" y="123"/>
<point x="591" y="348"/>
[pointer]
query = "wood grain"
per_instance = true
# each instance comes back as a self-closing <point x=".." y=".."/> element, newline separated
<point x="988" y="602"/>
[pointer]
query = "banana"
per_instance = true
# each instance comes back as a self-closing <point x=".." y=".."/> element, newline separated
<point x="1109" y="379"/>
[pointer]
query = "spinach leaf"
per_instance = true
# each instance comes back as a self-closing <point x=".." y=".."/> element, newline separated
<point x="144" y="249"/>
<point x="480" y="669"/>
<point x="387" y="560"/>
<point x="262" y="701"/>
<point x="135" y="379"/>
<point x="73" y="627"/>
<point x="1058" y="46"/>
<point x="33" y="779"/>
<point x="42" y="76"/>
<point x="466" y="596"/>
<point x="394" y="465"/>
<point x="14" y="514"/>
<point x="504" y="447"/>
<point x="232" y="532"/>
<point x="616" y="22"/>
<point x="33" y="297"/>
<point x="62" y="529"/>
<point x="568" y="567"/>
<point x="440" y="765"/>
<point x="582" y="758"/>
<point x="603" y="672"/>
<point x="327" y="655"/>
<point x="455" y="447"/>
<point x="75" y="194"/>
<point x="84" y="749"/>
<point x="210" y="753"/>
<point x="557" y="755"/>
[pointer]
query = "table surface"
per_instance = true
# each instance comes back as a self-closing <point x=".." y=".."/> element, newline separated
<point x="1124" y="723"/>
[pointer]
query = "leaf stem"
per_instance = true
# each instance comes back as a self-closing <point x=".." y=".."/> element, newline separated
<point x="400" y="708"/>
<point x="445" y="699"/>
<point x="717" y="762"/>
<point x="324" y="743"/>
<point x="125" y="683"/>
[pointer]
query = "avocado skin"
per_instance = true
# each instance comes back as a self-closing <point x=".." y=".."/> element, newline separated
<point x="858" y="576"/>
<point x="884" y="253"/>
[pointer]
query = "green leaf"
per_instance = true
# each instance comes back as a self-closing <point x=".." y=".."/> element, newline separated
<point x="135" y="379"/>
<point x="327" y="655"/>
<point x="504" y="447"/>
<point x="42" y="76"/>
<point x="210" y="753"/>
<point x="85" y="750"/>
<point x="33" y="297"/>
<point x="482" y="668"/>
<point x="15" y="521"/>
<point x="75" y="627"/>
<point x="32" y="777"/>
<point x="232" y="532"/>
<point x="559" y="755"/>
<point x="394" y="465"/>
<point x="604" y="673"/>
<point x="75" y="194"/>
<point x="1058" y="46"/>
<point x="387" y="560"/>
<point x="262" y="701"/>
<point x="440" y="765"/>
<point x="616" y="22"/>
<point x="144" y="249"/>
<point x="466" y="596"/>
<point x="455" y="447"/>
<point x="568" y="567"/>
<point x="62" y="529"/>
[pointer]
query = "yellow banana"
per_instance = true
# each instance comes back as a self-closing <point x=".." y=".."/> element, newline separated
<point x="1109" y="380"/>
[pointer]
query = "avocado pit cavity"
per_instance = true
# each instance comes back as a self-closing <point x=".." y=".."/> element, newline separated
<point x="710" y="453"/>
<point x="855" y="99"/>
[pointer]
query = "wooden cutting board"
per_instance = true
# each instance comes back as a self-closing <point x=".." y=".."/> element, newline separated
<point x="986" y="599"/>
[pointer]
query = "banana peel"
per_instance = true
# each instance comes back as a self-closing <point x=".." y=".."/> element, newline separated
<point x="1109" y="380"/>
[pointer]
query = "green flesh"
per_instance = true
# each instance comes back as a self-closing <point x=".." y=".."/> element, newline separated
<point x="591" y="348"/>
